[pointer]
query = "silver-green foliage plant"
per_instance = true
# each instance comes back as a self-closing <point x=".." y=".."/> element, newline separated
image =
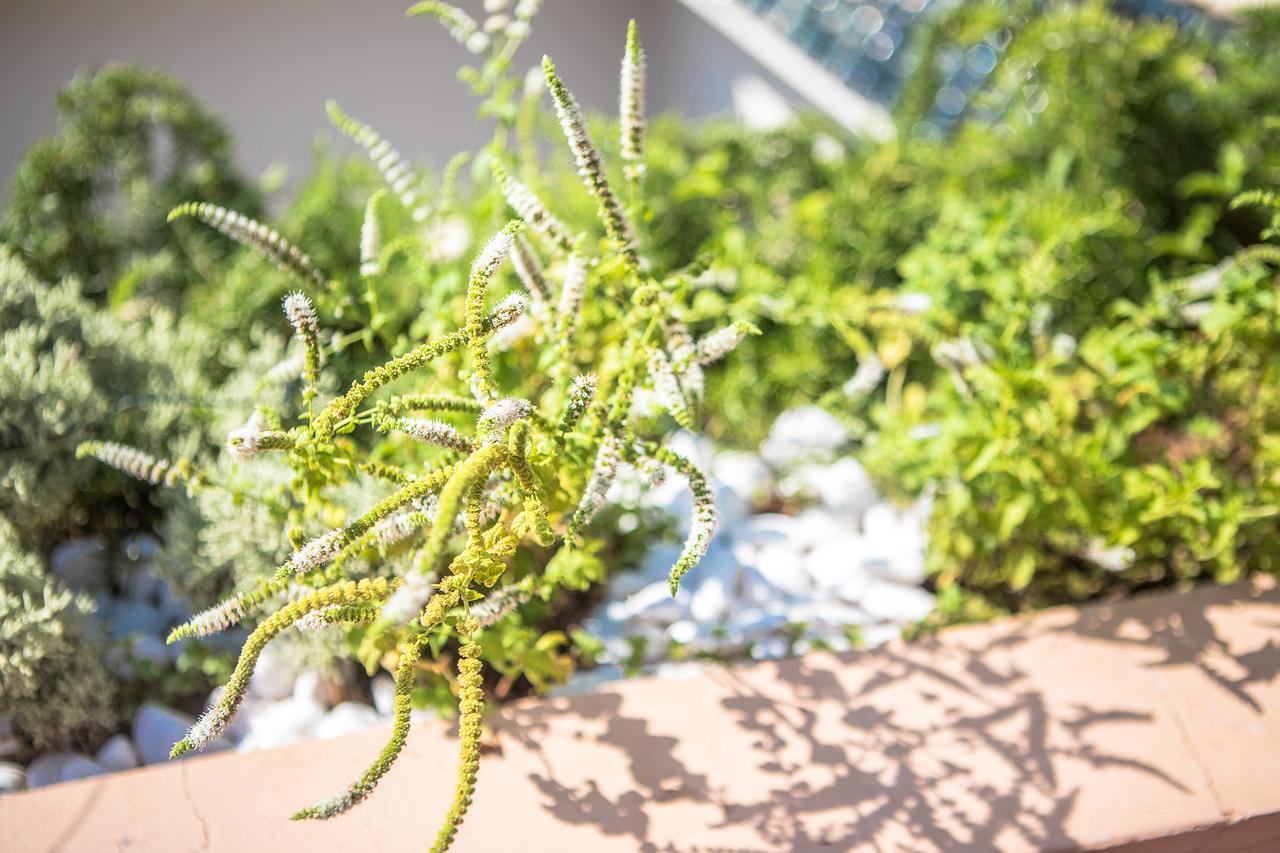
<point x="67" y="368"/>
<point x="476" y="463"/>
<point x="52" y="683"/>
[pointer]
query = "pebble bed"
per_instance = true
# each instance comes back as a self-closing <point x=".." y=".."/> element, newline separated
<point x="846" y="567"/>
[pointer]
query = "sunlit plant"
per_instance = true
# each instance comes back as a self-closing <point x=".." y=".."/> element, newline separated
<point x="498" y="460"/>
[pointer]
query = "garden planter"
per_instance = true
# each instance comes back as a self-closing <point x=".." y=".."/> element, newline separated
<point x="1147" y="725"/>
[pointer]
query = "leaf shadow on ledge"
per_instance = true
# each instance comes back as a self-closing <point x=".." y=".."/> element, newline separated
<point x="1011" y="736"/>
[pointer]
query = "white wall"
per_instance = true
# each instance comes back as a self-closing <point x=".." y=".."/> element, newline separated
<point x="267" y="66"/>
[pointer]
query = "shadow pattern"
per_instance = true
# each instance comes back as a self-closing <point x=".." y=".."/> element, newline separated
<point x="951" y="743"/>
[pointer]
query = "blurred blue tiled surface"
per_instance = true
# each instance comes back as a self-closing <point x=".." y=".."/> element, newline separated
<point x="873" y="46"/>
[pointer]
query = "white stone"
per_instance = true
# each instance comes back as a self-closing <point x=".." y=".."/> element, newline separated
<point x="885" y="518"/>
<point x="682" y="631"/>
<point x="744" y="473"/>
<point x="81" y="767"/>
<point x="843" y="486"/>
<point x="174" y="607"/>
<point x="157" y="728"/>
<point x="896" y="543"/>
<point x="731" y="508"/>
<point x="834" y="561"/>
<point x="818" y="524"/>
<point x="878" y="635"/>
<point x="273" y="677"/>
<point x="671" y="497"/>
<point x="803" y="434"/>
<point x="310" y="687"/>
<point x="281" y="723"/>
<point x="117" y="754"/>
<point x="781" y="566"/>
<point x="674" y="500"/>
<point x="770" y="649"/>
<point x="347" y="718"/>
<point x="757" y="530"/>
<point x="894" y="602"/>
<point x="151" y="649"/>
<point x="133" y="617"/>
<point x="834" y="641"/>
<point x="383" y="689"/>
<point x="678" y="670"/>
<point x="751" y="623"/>
<point x="47" y="768"/>
<point x="629" y="488"/>
<point x="696" y="448"/>
<point x="751" y="589"/>
<point x="719" y="562"/>
<point x="80" y="564"/>
<point x="852" y="588"/>
<point x="139" y="546"/>
<point x="651" y="637"/>
<point x="144" y="586"/>
<point x="12" y="777"/>
<point x="825" y="614"/>
<point x="710" y="601"/>
<point x="654" y="566"/>
<point x="116" y="660"/>
<point x="652" y="604"/>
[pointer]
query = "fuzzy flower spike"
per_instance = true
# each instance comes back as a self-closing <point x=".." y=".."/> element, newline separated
<point x="254" y="234"/>
<point x="631" y="106"/>
<point x="590" y="166"/>
<point x="395" y="170"/>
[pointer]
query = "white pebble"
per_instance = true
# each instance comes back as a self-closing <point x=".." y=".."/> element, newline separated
<point x="744" y="473"/>
<point x="47" y="768"/>
<point x="310" y="687"/>
<point x="347" y="718"/>
<point x="651" y="604"/>
<point x="898" y="603"/>
<point x="383" y="689"/>
<point x="12" y="777"/>
<point x="280" y="724"/>
<point x="117" y="754"/>
<point x="81" y="564"/>
<point x="273" y="677"/>
<point x="82" y="767"/>
<point x="780" y="564"/>
<point x="803" y="434"/>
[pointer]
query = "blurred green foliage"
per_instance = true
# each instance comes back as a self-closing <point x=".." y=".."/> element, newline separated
<point x="1089" y="415"/>
<point x="1116" y="143"/>
<point x="53" y="687"/>
<point x="89" y="201"/>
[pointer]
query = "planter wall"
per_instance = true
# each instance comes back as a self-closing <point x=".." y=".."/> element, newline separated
<point x="1149" y="725"/>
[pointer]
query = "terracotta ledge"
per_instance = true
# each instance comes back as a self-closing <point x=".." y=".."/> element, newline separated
<point x="1150" y="725"/>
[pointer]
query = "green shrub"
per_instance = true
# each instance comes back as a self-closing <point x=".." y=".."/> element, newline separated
<point x="89" y="202"/>
<point x="69" y="369"/>
<point x="1114" y="141"/>
<point x="52" y="683"/>
<point x="1144" y="453"/>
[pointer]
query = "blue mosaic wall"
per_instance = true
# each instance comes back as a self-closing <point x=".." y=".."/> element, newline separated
<point x="873" y="45"/>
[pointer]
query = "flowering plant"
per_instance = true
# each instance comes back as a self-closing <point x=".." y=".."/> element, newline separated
<point x="513" y="447"/>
